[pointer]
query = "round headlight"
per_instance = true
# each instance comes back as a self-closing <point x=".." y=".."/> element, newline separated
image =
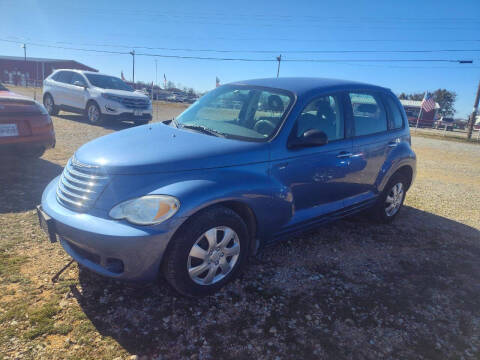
<point x="146" y="210"/>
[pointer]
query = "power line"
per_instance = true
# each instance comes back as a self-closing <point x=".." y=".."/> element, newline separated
<point x="244" y="59"/>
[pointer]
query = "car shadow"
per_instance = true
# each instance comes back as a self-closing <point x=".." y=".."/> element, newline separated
<point x="107" y="124"/>
<point x="351" y="276"/>
<point x="23" y="181"/>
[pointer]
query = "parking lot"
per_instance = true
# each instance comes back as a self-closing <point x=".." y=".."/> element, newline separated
<point x="352" y="289"/>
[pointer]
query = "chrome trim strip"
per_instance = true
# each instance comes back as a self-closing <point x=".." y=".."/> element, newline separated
<point x="67" y="184"/>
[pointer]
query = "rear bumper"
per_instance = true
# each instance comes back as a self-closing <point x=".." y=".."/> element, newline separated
<point x="109" y="247"/>
<point x="46" y="141"/>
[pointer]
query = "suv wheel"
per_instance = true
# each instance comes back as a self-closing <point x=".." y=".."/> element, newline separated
<point x="207" y="253"/>
<point x="94" y="115"/>
<point x="391" y="200"/>
<point x="50" y="105"/>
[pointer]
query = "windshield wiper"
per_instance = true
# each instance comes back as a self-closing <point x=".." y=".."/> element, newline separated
<point x="203" y="129"/>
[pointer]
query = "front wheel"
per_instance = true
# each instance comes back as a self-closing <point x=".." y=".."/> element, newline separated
<point x="94" y="114"/>
<point x="391" y="200"/>
<point x="209" y="251"/>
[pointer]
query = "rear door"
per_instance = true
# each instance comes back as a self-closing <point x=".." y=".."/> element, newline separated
<point x="370" y="143"/>
<point x="59" y="90"/>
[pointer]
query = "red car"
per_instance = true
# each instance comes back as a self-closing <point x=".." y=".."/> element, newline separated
<point x="25" y="126"/>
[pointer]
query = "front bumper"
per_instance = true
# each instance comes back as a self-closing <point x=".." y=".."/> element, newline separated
<point x="118" y="110"/>
<point x="109" y="247"/>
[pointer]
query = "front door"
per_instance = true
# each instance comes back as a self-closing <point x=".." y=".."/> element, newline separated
<point x="316" y="179"/>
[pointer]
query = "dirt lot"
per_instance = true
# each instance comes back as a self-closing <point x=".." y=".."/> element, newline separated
<point x="350" y="290"/>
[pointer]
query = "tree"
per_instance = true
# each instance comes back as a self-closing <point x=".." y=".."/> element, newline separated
<point x="444" y="98"/>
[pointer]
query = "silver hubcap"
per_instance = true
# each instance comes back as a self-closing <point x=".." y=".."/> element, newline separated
<point x="93" y="113"/>
<point x="48" y="104"/>
<point x="213" y="256"/>
<point x="394" y="199"/>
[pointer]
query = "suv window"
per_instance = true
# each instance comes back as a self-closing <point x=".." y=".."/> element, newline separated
<point x="368" y="114"/>
<point x="63" y="76"/>
<point x="322" y="114"/>
<point x="395" y="116"/>
<point x="77" y="77"/>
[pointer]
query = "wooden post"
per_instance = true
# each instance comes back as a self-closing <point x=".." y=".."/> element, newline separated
<point x="474" y="113"/>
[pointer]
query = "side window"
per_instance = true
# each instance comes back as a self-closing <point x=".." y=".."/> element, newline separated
<point x="64" y="77"/>
<point x="77" y="77"/>
<point x="322" y="114"/>
<point x="368" y="114"/>
<point x="394" y="114"/>
<point x="269" y="111"/>
<point x="57" y="76"/>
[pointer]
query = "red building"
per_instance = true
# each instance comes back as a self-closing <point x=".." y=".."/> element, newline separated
<point x="18" y="71"/>
<point x="412" y="109"/>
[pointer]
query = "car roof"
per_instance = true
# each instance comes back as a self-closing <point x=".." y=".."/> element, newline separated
<point x="303" y="85"/>
<point x="83" y="71"/>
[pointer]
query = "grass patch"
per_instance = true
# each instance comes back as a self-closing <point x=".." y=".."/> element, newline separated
<point x="42" y="319"/>
<point x="10" y="266"/>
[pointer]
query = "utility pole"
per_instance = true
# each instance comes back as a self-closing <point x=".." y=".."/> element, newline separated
<point x="133" y="67"/>
<point x="279" y="59"/>
<point x="24" y="46"/>
<point x="474" y="114"/>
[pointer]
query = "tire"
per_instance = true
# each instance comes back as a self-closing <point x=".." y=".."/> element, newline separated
<point x="49" y="104"/>
<point x="382" y="211"/>
<point x="93" y="113"/>
<point x="30" y="153"/>
<point x="190" y="275"/>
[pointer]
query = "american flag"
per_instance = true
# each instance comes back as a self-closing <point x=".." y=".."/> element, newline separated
<point x="428" y="104"/>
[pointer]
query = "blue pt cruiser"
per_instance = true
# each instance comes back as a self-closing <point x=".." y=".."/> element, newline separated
<point x="249" y="163"/>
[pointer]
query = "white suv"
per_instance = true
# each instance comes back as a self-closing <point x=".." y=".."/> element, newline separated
<point x="96" y="95"/>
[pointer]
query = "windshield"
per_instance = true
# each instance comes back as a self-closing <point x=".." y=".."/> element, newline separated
<point x="108" y="82"/>
<point x="241" y="112"/>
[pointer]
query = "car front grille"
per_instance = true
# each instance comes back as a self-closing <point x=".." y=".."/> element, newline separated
<point x="80" y="185"/>
<point x="134" y="103"/>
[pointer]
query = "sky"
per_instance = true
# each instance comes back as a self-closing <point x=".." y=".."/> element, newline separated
<point x="260" y="30"/>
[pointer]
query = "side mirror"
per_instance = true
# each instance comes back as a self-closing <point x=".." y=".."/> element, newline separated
<point x="312" y="137"/>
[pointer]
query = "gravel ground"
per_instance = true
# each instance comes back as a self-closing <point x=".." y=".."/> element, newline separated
<point x="349" y="290"/>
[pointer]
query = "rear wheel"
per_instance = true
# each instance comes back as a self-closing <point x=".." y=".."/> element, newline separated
<point x="94" y="115"/>
<point x="33" y="152"/>
<point x="391" y="200"/>
<point x="50" y="104"/>
<point x="207" y="253"/>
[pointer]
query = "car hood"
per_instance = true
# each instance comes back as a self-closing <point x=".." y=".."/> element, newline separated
<point x="157" y="148"/>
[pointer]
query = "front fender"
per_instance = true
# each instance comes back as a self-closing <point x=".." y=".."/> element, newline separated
<point x="250" y="185"/>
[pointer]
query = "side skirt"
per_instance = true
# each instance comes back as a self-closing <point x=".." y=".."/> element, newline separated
<point x="316" y="222"/>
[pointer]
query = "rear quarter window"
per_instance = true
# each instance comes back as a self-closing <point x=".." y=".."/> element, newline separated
<point x="395" y="117"/>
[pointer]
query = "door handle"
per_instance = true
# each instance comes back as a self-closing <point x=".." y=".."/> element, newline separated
<point x="344" y="154"/>
<point x="392" y="144"/>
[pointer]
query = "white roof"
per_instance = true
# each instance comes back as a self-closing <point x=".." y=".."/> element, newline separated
<point x="416" y="103"/>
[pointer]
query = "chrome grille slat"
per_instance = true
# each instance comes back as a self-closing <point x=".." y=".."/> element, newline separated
<point x="84" y="175"/>
<point x="72" y="195"/>
<point x="80" y="185"/>
<point x="71" y="179"/>
<point x="70" y="186"/>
